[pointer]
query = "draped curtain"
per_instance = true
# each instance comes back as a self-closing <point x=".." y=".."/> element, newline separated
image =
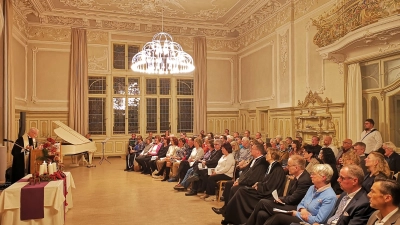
<point x="78" y="85"/>
<point x="354" y="102"/>
<point x="9" y="72"/>
<point x="200" y="84"/>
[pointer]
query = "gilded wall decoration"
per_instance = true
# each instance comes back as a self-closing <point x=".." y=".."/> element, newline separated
<point x="118" y="25"/>
<point x="66" y="21"/>
<point x="214" y="44"/>
<point x="97" y="37"/>
<point x="20" y="23"/>
<point x="24" y="7"/>
<point x="347" y="16"/>
<point x="49" y="34"/>
<point x="98" y="59"/>
<point x="302" y="7"/>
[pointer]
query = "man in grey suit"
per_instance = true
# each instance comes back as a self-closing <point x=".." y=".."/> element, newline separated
<point x="385" y="196"/>
<point x="252" y="173"/>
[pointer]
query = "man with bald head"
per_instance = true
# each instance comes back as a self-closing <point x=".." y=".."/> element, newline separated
<point x="328" y="144"/>
<point x="346" y="146"/>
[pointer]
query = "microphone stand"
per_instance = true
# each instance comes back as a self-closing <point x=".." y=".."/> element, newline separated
<point x="23" y="150"/>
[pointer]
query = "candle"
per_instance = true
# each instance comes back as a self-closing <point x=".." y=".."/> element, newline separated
<point x="51" y="168"/>
<point x="45" y="167"/>
<point x="55" y="167"/>
<point x="41" y="169"/>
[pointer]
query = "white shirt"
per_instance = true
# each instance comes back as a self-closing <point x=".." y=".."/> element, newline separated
<point x="382" y="221"/>
<point x="373" y="141"/>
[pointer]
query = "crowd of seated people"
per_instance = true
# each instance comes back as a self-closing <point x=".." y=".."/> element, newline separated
<point x="316" y="183"/>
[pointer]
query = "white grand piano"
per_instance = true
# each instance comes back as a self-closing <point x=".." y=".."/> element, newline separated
<point x="77" y="144"/>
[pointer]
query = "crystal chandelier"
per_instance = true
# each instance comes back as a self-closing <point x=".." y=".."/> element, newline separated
<point x="162" y="56"/>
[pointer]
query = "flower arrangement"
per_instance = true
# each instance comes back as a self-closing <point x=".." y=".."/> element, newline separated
<point x="50" y="151"/>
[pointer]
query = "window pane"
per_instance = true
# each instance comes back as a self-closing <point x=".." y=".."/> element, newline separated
<point x="151" y="112"/>
<point x="392" y="71"/>
<point x="151" y="86"/>
<point x="133" y="115"/>
<point x="132" y="50"/>
<point x="97" y="85"/>
<point x="119" y="115"/>
<point x="119" y="56"/>
<point x="370" y="76"/>
<point x="97" y="108"/>
<point x="185" y="87"/>
<point x="165" y="86"/>
<point x="119" y="85"/>
<point x="133" y="86"/>
<point x="164" y="114"/>
<point x="185" y="115"/>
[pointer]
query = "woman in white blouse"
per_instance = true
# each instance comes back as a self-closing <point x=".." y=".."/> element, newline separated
<point x="223" y="171"/>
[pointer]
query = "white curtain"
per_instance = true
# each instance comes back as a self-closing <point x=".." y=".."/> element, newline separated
<point x="200" y="84"/>
<point x="354" y="102"/>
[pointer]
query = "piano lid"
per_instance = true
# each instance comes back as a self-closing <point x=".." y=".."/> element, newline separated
<point x="68" y="134"/>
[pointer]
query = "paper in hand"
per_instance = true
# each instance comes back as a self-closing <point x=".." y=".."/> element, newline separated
<point x="275" y="195"/>
<point x="281" y="211"/>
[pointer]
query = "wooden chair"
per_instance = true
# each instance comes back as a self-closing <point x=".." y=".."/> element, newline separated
<point x="391" y="174"/>
<point x="221" y="184"/>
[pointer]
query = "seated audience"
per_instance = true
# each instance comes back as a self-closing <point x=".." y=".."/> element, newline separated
<point x="196" y="154"/>
<point x="359" y="148"/>
<point x="152" y="152"/>
<point x="316" y="205"/>
<point x="311" y="157"/>
<point x="133" y="152"/>
<point x="392" y="157"/>
<point x="242" y="203"/>
<point x="162" y="153"/>
<point x="139" y="159"/>
<point x="223" y="171"/>
<point x="377" y="167"/>
<point x="198" y="177"/>
<point x="352" y="207"/>
<point x="161" y="163"/>
<point x="328" y="157"/>
<point x="283" y="153"/>
<point x="350" y="158"/>
<point x="328" y="144"/>
<point x="385" y="197"/>
<point x="252" y="173"/>
<point x="297" y="149"/>
<point x="298" y="189"/>
<point x="177" y="161"/>
<point x="347" y="144"/>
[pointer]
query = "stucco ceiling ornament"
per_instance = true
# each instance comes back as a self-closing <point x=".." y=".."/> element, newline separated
<point x="25" y="7"/>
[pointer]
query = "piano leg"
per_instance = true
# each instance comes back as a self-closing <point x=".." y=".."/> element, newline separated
<point x="74" y="161"/>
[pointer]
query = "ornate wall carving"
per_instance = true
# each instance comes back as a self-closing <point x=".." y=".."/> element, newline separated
<point x="347" y="16"/>
<point x="98" y="59"/>
<point x="97" y="37"/>
<point x="49" y="34"/>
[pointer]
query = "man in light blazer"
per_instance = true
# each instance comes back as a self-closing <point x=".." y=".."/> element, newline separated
<point x="385" y="197"/>
<point x="352" y="207"/>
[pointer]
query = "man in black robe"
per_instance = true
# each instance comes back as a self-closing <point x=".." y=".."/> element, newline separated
<point x="252" y="173"/>
<point x="21" y="161"/>
<point x="242" y="203"/>
<point x="298" y="189"/>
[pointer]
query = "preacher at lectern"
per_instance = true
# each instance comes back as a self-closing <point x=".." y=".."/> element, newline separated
<point x="21" y="158"/>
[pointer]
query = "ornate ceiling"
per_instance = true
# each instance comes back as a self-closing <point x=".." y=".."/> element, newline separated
<point x="214" y="18"/>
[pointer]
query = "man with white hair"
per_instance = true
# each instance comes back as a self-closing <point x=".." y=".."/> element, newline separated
<point x="328" y="144"/>
<point x="392" y="157"/>
<point x="21" y="158"/>
<point x="278" y="139"/>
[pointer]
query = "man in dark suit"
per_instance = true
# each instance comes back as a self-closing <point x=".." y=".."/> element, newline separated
<point x="352" y="207"/>
<point x="359" y="148"/>
<point x="392" y="157"/>
<point x="299" y="186"/>
<point x="385" y="197"/>
<point x="252" y="173"/>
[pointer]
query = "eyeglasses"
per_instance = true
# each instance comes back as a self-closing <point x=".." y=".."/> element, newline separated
<point x="344" y="142"/>
<point x="344" y="178"/>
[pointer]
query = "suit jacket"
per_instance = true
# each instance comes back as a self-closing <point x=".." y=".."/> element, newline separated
<point x="393" y="220"/>
<point x="251" y="175"/>
<point x="357" y="212"/>
<point x="298" y="189"/>
<point x="213" y="161"/>
<point x="394" y="162"/>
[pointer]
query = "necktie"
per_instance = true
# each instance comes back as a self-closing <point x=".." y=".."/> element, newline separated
<point x="294" y="187"/>
<point x="339" y="210"/>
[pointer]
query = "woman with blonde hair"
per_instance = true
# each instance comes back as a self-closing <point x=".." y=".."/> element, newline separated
<point x="377" y="167"/>
<point x="351" y="158"/>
